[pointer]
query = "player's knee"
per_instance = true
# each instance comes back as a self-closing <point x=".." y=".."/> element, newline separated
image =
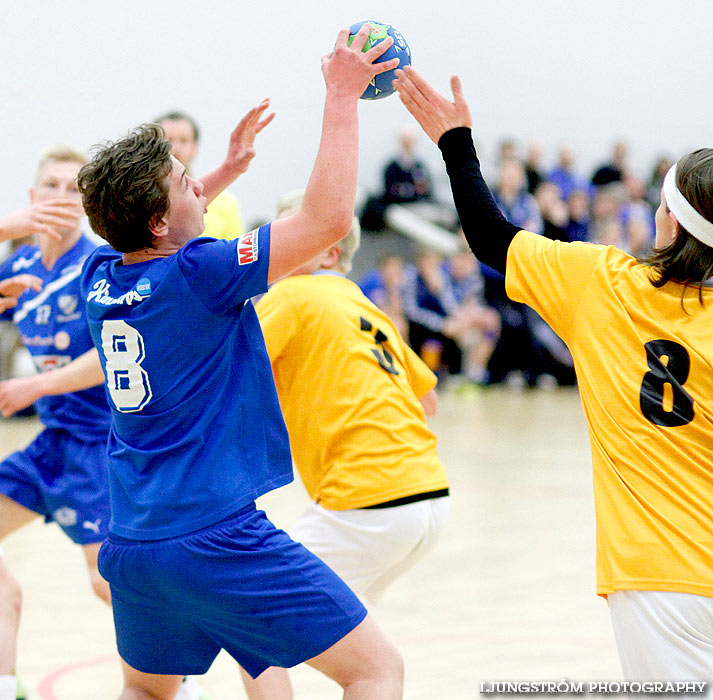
<point x="387" y="670"/>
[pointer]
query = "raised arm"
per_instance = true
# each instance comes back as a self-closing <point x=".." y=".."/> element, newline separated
<point x="448" y="125"/>
<point x="42" y="217"/>
<point x="328" y="206"/>
<point x="82" y="373"/>
<point x="241" y="150"/>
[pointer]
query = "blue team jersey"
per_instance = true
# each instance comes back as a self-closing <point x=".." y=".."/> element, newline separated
<point x="197" y="432"/>
<point x="54" y="329"/>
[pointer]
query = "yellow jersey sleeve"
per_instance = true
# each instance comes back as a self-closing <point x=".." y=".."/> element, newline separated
<point x="550" y="276"/>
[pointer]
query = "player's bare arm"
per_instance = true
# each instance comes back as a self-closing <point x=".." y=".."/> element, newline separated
<point x="328" y="206"/>
<point x="43" y="218"/>
<point x="241" y="151"/>
<point x="82" y="373"/>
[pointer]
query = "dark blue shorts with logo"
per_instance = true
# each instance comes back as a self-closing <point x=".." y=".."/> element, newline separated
<point x="63" y="479"/>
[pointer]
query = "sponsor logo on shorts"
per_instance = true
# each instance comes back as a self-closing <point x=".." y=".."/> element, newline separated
<point x="247" y="247"/>
<point x="93" y="526"/>
<point x="65" y="516"/>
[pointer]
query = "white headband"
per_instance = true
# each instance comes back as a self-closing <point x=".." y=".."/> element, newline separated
<point x="693" y="221"/>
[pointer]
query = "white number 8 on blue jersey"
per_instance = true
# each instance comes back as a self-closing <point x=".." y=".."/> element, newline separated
<point x="127" y="381"/>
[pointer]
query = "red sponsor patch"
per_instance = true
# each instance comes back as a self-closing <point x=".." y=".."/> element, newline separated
<point x="247" y="247"/>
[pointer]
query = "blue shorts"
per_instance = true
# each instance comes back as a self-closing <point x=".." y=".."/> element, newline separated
<point x="241" y="585"/>
<point x="63" y="479"/>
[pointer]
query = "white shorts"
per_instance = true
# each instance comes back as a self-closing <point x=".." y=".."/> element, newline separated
<point x="663" y="636"/>
<point x="370" y="548"/>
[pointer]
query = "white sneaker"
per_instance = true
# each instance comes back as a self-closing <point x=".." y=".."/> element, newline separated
<point x="190" y="690"/>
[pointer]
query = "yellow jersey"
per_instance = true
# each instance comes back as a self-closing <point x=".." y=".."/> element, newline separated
<point x="223" y="219"/>
<point x="349" y="388"/>
<point x="645" y="370"/>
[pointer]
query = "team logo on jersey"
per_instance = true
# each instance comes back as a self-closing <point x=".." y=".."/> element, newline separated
<point x="65" y="516"/>
<point x="67" y="303"/>
<point x="143" y="287"/>
<point x="247" y="247"/>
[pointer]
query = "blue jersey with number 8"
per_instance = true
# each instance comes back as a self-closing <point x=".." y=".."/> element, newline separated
<point x="197" y="431"/>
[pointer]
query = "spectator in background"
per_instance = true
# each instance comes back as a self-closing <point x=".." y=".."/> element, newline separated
<point x="481" y="323"/>
<point x="383" y="286"/>
<point x="579" y="216"/>
<point x="437" y="319"/>
<point x="553" y="209"/>
<point x="614" y="170"/>
<point x="406" y="178"/>
<point x="565" y="176"/>
<point x="653" y="189"/>
<point x="533" y="165"/>
<point x="223" y="218"/>
<point x="511" y="195"/>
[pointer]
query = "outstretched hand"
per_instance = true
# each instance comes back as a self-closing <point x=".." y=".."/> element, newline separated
<point x="12" y="287"/>
<point x="434" y="112"/>
<point x="49" y="217"/>
<point x="16" y="394"/>
<point x="348" y="70"/>
<point x="241" y="149"/>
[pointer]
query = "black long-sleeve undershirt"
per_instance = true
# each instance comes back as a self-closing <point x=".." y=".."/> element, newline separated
<point x="487" y="231"/>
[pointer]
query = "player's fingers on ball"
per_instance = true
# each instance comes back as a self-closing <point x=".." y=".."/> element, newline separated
<point x="361" y="36"/>
<point x="379" y="49"/>
<point x="386" y="66"/>
<point x="342" y="39"/>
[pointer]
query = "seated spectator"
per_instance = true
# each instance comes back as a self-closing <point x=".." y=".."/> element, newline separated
<point x="653" y="188"/>
<point x="553" y="209"/>
<point x="516" y="203"/>
<point x="534" y="172"/>
<point x="445" y="333"/>
<point x="614" y="170"/>
<point x="579" y="216"/>
<point x="384" y="287"/>
<point x="480" y="323"/>
<point x="564" y="175"/>
<point x="406" y="178"/>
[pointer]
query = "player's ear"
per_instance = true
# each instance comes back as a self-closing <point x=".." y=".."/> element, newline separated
<point x="674" y="220"/>
<point x="159" y="227"/>
<point x="333" y="255"/>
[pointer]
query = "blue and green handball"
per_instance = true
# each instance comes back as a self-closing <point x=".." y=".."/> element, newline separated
<point x="380" y="85"/>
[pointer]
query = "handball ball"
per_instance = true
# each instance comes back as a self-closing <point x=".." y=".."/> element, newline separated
<point x="381" y="86"/>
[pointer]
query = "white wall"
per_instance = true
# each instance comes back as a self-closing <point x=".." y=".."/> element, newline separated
<point x="571" y="71"/>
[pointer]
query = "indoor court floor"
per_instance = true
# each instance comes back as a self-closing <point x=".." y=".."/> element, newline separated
<point x="508" y="594"/>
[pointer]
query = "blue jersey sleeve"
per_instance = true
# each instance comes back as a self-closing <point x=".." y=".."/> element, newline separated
<point x="224" y="274"/>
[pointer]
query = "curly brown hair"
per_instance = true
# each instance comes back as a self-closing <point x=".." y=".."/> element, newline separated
<point x="125" y="187"/>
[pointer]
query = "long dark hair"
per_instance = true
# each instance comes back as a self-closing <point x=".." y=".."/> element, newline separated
<point x="686" y="260"/>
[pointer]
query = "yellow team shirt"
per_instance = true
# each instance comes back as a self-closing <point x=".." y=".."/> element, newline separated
<point x="349" y="389"/>
<point x="223" y="219"/>
<point x="645" y="372"/>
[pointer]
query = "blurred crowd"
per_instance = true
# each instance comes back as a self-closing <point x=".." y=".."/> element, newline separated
<point x="453" y="309"/>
